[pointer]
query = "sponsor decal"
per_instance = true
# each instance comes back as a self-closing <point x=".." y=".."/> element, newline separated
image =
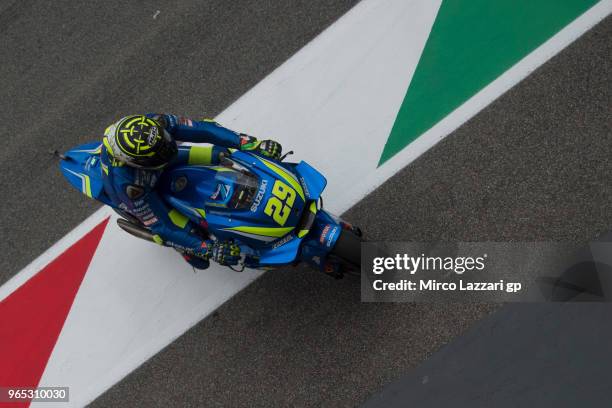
<point x="153" y="136"/>
<point x="324" y="234"/>
<point x="226" y="190"/>
<point x="260" y="194"/>
<point x="150" y="221"/>
<point x="148" y="216"/>
<point x="304" y="186"/>
<point x="283" y="241"/>
<point x="330" y="239"/>
<point x="91" y="162"/>
<point x="216" y="192"/>
<point x="222" y="191"/>
<point x="143" y="212"/>
<point x="316" y="259"/>
<point x="134" y="192"/>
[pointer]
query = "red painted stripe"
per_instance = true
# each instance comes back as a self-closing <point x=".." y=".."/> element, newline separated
<point x="32" y="317"/>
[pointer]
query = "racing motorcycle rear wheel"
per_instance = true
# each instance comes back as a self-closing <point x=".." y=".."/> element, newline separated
<point x="348" y="250"/>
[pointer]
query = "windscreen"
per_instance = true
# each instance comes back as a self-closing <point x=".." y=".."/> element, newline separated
<point x="236" y="187"/>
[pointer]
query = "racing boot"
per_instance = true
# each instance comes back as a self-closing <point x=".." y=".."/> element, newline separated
<point x="350" y="227"/>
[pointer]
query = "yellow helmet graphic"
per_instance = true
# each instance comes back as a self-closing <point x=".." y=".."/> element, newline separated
<point x="140" y="141"/>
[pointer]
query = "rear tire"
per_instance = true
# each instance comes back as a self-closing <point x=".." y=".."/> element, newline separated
<point x="348" y="248"/>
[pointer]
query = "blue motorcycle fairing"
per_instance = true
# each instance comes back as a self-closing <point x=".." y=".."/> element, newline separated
<point x="282" y="252"/>
<point x="313" y="247"/>
<point x="322" y="238"/>
<point x="83" y="169"/>
<point x="312" y="181"/>
<point x="240" y="200"/>
<point x="233" y="202"/>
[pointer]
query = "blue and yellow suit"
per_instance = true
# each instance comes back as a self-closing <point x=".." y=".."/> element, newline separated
<point x="133" y="189"/>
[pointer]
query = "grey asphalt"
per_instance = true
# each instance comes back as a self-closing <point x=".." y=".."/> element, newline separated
<point x="523" y="356"/>
<point x="534" y="165"/>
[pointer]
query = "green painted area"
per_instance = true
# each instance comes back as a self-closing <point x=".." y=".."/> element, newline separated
<point x="472" y="42"/>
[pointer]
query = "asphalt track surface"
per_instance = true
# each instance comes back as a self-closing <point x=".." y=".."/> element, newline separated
<point x="553" y="355"/>
<point x="534" y="165"/>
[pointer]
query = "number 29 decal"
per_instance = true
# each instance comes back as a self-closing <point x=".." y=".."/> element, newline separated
<point x="279" y="205"/>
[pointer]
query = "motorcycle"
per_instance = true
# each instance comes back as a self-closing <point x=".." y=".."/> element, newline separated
<point x="272" y="209"/>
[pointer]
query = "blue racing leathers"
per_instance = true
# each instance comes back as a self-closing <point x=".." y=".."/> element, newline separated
<point x="133" y="190"/>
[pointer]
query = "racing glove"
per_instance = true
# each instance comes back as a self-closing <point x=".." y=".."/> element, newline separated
<point x="204" y="250"/>
<point x="267" y="148"/>
<point x="225" y="253"/>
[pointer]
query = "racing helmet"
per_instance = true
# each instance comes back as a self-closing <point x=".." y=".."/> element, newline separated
<point x="141" y="142"/>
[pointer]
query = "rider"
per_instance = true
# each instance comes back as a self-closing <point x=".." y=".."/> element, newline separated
<point x="136" y="150"/>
